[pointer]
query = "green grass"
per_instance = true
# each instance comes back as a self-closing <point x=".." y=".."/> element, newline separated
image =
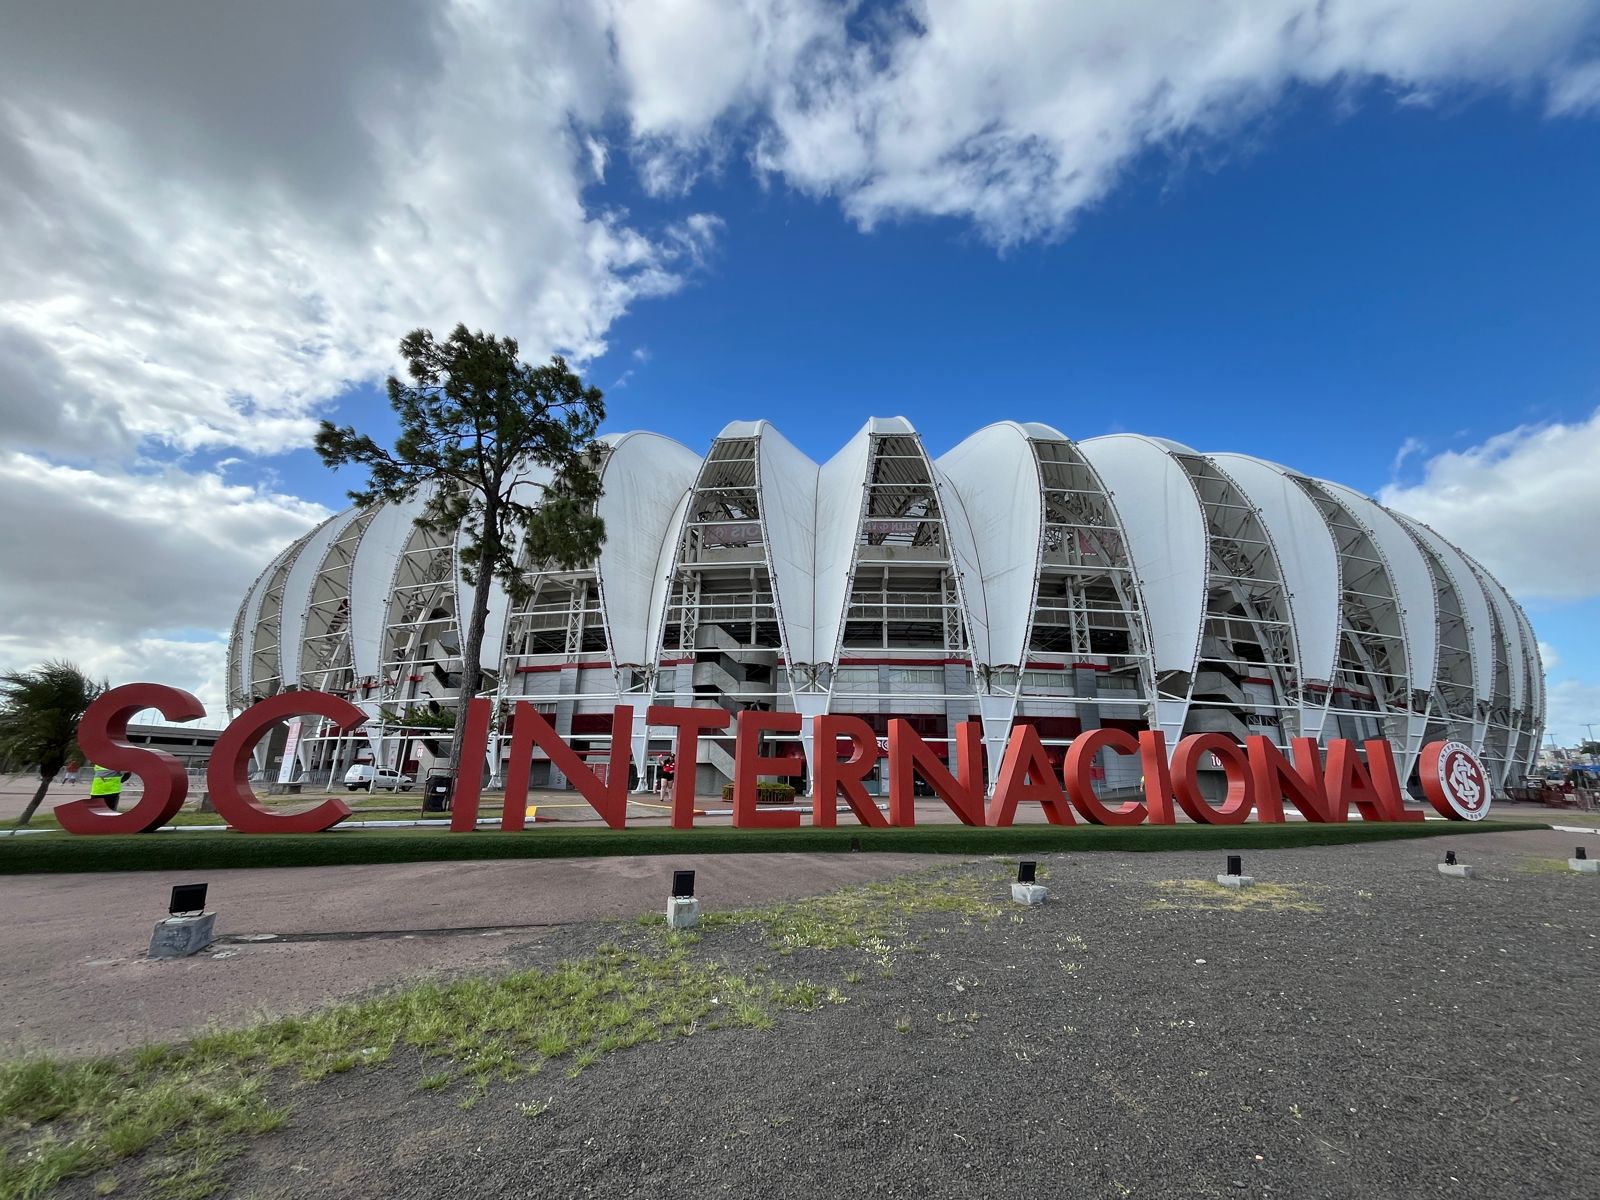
<point x="66" y="1118"/>
<point x="43" y="853"/>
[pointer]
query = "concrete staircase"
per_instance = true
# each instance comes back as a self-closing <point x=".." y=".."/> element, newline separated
<point x="729" y="676"/>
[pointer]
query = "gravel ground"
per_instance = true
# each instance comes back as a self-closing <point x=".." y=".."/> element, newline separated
<point x="1375" y="1029"/>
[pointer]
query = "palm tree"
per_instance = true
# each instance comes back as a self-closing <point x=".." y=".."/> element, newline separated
<point x="39" y="715"/>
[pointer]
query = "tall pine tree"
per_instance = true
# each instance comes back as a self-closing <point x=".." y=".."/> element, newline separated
<point x="472" y="419"/>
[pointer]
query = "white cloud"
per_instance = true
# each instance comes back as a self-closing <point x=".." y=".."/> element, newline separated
<point x="219" y="217"/>
<point x="1548" y="656"/>
<point x="198" y="666"/>
<point x="219" y="223"/>
<point x="1576" y="91"/>
<point x="1018" y="116"/>
<point x="1524" y="503"/>
<point x="129" y="573"/>
<point x="1407" y="448"/>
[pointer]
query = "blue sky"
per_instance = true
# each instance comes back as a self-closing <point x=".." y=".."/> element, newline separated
<point x="1357" y="237"/>
<point x="1335" y="284"/>
<point x="1354" y="277"/>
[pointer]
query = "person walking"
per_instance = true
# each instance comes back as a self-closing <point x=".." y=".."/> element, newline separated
<point x="70" y="777"/>
<point x="668" y="769"/>
<point x="106" y="787"/>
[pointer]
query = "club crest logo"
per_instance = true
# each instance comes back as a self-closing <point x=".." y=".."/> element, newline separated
<point x="1458" y="781"/>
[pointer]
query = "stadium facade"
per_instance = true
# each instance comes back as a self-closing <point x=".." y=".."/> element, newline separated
<point x="1123" y="581"/>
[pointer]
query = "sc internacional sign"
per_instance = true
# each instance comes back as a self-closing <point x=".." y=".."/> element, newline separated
<point x="1261" y="779"/>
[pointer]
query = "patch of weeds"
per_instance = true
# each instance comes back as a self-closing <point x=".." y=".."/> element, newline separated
<point x="804" y="995"/>
<point x="536" y="1109"/>
<point x="435" y="1082"/>
<point x="581" y="1061"/>
<point x="1204" y="895"/>
<point x="192" y="1166"/>
<point x="871" y="917"/>
<point x="903" y="1025"/>
<point x="1539" y="865"/>
<point x="751" y="1015"/>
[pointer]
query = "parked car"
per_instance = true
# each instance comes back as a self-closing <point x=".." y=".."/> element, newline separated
<point x="365" y="775"/>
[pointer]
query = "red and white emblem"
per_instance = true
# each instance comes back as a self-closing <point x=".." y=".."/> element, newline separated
<point x="1455" y="781"/>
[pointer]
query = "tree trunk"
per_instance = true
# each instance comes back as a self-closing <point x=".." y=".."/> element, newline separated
<point x="33" y="805"/>
<point x="472" y="641"/>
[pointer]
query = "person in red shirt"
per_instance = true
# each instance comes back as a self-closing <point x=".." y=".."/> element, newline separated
<point x="665" y="774"/>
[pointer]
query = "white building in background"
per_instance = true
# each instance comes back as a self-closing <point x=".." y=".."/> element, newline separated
<point x="1123" y="581"/>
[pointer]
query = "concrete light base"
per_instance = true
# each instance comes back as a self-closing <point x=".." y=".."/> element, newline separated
<point x="683" y="912"/>
<point x="1236" y="881"/>
<point x="1589" y="866"/>
<point x="1459" y="870"/>
<point x="1029" y="894"/>
<point x="179" y="937"/>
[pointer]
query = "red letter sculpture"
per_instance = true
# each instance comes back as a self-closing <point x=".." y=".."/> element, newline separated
<point x="1025" y="774"/>
<point x="530" y="728"/>
<point x="689" y="723"/>
<point x="474" y="748"/>
<point x="1157" y="777"/>
<point x="1075" y="773"/>
<point x="1277" y="779"/>
<point x="229" y="774"/>
<point x="749" y="764"/>
<point x="1186" y="779"/>
<point x="102" y="736"/>
<point x="835" y="775"/>
<point x="910" y="756"/>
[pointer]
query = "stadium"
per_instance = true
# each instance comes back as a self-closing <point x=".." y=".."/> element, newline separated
<point x="1121" y="581"/>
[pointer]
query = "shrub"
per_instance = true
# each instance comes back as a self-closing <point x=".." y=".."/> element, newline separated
<point x="766" y="793"/>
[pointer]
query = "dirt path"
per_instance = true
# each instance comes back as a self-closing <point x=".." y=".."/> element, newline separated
<point x="75" y="976"/>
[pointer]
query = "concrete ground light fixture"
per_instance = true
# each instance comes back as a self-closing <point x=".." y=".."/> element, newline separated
<point x="188" y="928"/>
<point x="683" y="909"/>
<point x="1025" y="890"/>
<point x="1234" y="876"/>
